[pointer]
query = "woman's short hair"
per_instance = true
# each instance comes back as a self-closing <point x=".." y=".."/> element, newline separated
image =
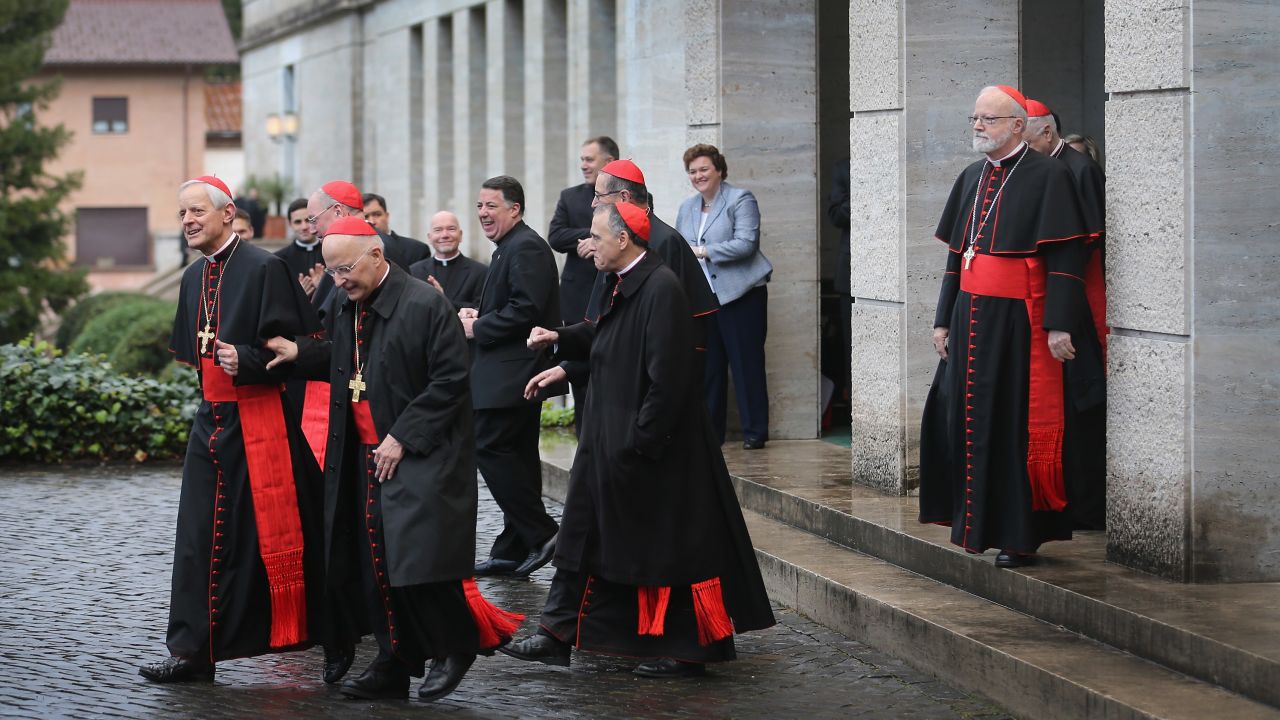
<point x="710" y="152"/>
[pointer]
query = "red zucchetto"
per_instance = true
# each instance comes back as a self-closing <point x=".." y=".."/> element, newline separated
<point x="1035" y="108"/>
<point x="345" y="193"/>
<point x="1013" y="93"/>
<point x="211" y="180"/>
<point x="350" y="225"/>
<point x="637" y="220"/>
<point x="624" y="169"/>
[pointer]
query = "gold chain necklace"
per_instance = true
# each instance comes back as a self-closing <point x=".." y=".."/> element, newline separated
<point x="357" y="384"/>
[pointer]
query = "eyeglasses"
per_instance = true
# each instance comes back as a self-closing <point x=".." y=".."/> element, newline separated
<point x="600" y="195"/>
<point x="988" y="119"/>
<point x="313" y="219"/>
<point x="345" y="270"/>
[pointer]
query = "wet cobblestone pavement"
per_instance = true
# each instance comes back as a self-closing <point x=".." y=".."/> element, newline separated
<point x="84" y="578"/>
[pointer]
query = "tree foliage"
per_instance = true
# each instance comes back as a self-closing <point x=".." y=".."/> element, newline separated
<point x="33" y="272"/>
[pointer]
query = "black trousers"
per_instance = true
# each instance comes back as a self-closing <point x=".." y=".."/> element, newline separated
<point x="507" y="455"/>
<point x="735" y="342"/>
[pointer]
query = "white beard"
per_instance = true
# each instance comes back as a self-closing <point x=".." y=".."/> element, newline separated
<point x="991" y="142"/>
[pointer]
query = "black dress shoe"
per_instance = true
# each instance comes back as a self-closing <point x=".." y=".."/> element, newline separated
<point x="1013" y="560"/>
<point x="752" y="444"/>
<point x="176" y="669"/>
<point x="670" y="668"/>
<point x="337" y="661"/>
<point x="445" y="676"/>
<point x="538" y="557"/>
<point x="496" y="566"/>
<point x="541" y="648"/>
<point x="380" y="681"/>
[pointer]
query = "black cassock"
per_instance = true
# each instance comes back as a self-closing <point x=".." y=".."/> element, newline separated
<point x="992" y="444"/>
<point x="650" y="504"/>
<point x="301" y="259"/>
<point x="408" y="542"/>
<point x="403" y="251"/>
<point x="221" y="606"/>
<point x="461" y="277"/>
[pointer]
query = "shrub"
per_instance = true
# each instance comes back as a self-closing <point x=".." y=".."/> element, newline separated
<point x="134" y="336"/>
<point x="69" y="407"/>
<point x="79" y="315"/>
<point x="556" y="416"/>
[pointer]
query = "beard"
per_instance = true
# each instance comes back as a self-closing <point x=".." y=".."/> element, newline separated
<point x="990" y="142"/>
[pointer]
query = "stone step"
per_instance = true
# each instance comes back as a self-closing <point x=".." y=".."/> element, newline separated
<point x="1225" y="634"/>
<point x="1031" y="668"/>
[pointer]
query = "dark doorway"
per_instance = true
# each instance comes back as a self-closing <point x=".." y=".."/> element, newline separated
<point x="1062" y="56"/>
<point x="833" y="149"/>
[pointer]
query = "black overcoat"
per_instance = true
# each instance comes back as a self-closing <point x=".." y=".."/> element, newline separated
<point x="570" y="223"/>
<point x="650" y="502"/>
<point x="418" y="388"/>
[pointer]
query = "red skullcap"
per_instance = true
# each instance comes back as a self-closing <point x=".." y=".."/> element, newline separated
<point x="637" y="220"/>
<point x="1013" y="93"/>
<point x="350" y="225"/>
<point x="1035" y="108"/>
<point x="344" y="192"/>
<point x="211" y="180"/>
<point x="624" y="169"/>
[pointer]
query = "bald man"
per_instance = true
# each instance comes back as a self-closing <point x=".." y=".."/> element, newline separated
<point x="457" y="276"/>
<point x="400" y="472"/>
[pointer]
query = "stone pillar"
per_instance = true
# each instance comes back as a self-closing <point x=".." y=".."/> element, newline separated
<point x="545" y="88"/>
<point x="592" y="68"/>
<point x="768" y="130"/>
<point x="437" y="128"/>
<point x="470" y="127"/>
<point x="389" y="125"/>
<point x="878" y="390"/>
<point x="505" y="88"/>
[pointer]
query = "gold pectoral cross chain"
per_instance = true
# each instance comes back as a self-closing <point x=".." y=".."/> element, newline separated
<point x="205" y="336"/>
<point x="357" y="386"/>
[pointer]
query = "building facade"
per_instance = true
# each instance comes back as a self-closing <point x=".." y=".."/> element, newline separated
<point x="421" y="100"/>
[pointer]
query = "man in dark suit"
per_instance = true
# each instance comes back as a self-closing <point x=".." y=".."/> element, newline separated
<point x="401" y="250"/>
<point x="455" y="275"/>
<point x="570" y="233"/>
<point x="520" y="293"/>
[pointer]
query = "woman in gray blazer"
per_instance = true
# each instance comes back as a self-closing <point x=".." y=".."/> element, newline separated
<point x="722" y="223"/>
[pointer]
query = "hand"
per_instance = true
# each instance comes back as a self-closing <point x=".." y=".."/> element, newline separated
<point x="1060" y="345"/>
<point x="228" y="357"/>
<point x="700" y="252"/>
<point x="308" y="287"/>
<point x="469" y="327"/>
<point x="435" y="284"/>
<point x="285" y="350"/>
<point x="466" y="312"/>
<point x="542" y="337"/>
<point x="388" y="457"/>
<point x="940" y="335"/>
<point x="314" y="275"/>
<point x="584" y="249"/>
<point x="542" y="380"/>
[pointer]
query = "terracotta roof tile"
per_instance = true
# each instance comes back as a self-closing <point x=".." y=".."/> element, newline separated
<point x="143" y="32"/>
<point x="222" y="108"/>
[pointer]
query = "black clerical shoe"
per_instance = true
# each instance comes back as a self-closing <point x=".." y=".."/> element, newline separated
<point x="542" y="648"/>
<point x="337" y="661"/>
<point x="752" y="444"/>
<point x="670" y="668"/>
<point x="496" y="567"/>
<point x="1008" y="559"/>
<point x="380" y="681"/>
<point x="445" y="676"/>
<point x="176" y="669"/>
<point x="538" y="557"/>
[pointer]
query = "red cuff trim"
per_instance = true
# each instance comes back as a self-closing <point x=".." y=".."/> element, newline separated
<point x="1069" y="275"/>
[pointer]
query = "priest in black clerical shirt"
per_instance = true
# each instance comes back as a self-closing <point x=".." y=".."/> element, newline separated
<point x="457" y="276"/>
<point x="302" y="255"/>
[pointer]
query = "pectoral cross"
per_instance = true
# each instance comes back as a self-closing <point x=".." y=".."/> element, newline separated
<point x="968" y="256"/>
<point x="357" y="386"/>
<point x="205" y="336"/>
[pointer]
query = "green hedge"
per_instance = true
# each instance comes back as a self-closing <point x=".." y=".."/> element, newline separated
<point x="79" y="315"/>
<point x="134" y="335"/>
<point x="60" y="407"/>
<point x="553" y="416"/>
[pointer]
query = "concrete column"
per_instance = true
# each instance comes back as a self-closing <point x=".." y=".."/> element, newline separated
<point x="592" y="68"/>
<point x="768" y="59"/>
<point x="470" y="127"/>
<point x="504" y="46"/>
<point x="545" y="87"/>
<point x="437" y="121"/>
<point x="878" y="393"/>
<point x="702" y="82"/>
<point x="389" y="125"/>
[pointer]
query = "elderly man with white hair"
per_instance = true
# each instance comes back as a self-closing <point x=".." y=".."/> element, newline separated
<point x="992" y="437"/>
<point x="246" y="563"/>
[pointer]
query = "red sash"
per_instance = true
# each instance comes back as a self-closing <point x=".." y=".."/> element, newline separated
<point x="365" y="430"/>
<point x="315" y="418"/>
<point x="1025" y="279"/>
<point x="275" y="499"/>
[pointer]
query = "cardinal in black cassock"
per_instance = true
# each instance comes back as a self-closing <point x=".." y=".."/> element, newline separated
<point x="654" y="559"/>
<point x="247" y="556"/>
<point x="992" y="437"/>
<point x="400" y="473"/>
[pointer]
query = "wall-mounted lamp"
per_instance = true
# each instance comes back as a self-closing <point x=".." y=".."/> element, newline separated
<point x="282" y="126"/>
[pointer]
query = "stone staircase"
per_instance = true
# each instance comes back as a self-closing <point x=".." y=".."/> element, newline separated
<point x="1071" y="637"/>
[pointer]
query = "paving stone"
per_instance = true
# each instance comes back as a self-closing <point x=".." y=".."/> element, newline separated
<point x="84" y="586"/>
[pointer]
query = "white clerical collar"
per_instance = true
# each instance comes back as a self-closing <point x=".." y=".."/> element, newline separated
<point x="635" y="262"/>
<point x="306" y="246"/>
<point x="384" y="276"/>
<point x="1006" y="157"/>
<point x="225" y="245"/>
<point x="1058" y="150"/>
<point x="447" y="260"/>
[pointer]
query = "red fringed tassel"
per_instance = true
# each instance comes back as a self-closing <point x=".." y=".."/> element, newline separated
<point x="653" y="609"/>
<point x="1044" y="469"/>
<point x="288" y="599"/>
<point x="494" y="624"/>
<point x="708" y="606"/>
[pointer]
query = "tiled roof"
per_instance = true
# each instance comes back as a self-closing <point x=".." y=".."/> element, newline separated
<point x="222" y="108"/>
<point x="143" y="32"/>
